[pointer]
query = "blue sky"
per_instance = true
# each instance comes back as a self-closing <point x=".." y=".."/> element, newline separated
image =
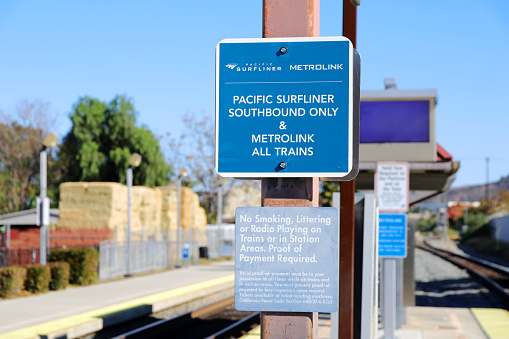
<point x="161" y="53"/>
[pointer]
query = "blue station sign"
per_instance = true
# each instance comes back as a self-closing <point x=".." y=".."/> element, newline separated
<point x="392" y="236"/>
<point x="284" y="107"/>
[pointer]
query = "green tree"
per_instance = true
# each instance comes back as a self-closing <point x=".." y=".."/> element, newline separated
<point x="19" y="152"/>
<point x="500" y="201"/>
<point x="100" y="143"/>
<point x="327" y="189"/>
<point x="427" y="225"/>
<point x="473" y="221"/>
<point x="21" y="138"/>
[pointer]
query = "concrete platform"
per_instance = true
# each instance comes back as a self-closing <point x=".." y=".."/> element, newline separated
<point x="435" y="322"/>
<point x="439" y="322"/>
<point x="77" y="311"/>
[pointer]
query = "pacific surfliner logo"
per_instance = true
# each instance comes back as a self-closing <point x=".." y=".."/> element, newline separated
<point x="254" y="67"/>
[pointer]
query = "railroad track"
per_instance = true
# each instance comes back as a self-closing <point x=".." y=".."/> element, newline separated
<point x="217" y="320"/>
<point x="496" y="277"/>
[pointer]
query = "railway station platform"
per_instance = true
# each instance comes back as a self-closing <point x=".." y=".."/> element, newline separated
<point x="435" y="323"/>
<point x="77" y="311"/>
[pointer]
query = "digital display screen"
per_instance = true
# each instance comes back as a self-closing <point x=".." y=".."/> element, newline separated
<point x="394" y="121"/>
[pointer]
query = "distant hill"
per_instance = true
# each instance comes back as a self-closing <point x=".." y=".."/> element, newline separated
<point x="471" y="193"/>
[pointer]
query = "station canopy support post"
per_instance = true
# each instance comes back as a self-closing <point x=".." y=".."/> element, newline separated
<point x="347" y="213"/>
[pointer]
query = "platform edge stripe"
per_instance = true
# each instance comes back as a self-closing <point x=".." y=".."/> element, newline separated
<point x="187" y="289"/>
<point x="54" y="328"/>
<point x="64" y="324"/>
<point x="19" y="334"/>
<point x="494" y="321"/>
<point x="254" y="333"/>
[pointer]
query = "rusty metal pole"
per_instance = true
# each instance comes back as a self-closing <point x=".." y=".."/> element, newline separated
<point x="347" y="214"/>
<point x="290" y="18"/>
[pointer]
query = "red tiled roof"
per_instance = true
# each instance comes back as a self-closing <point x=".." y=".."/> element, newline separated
<point x="442" y="154"/>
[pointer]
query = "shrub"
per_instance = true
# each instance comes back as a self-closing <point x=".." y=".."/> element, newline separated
<point x="426" y="225"/>
<point x="453" y="234"/>
<point x="12" y="280"/>
<point x="83" y="261"/>
<point x="59" y="275"/>
<point x="37" y="278"/>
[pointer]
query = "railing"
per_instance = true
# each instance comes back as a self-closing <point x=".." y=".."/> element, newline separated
<point x="19" y="256"/>
<point x="145" y="256"/>
<point x="221" y="240"/>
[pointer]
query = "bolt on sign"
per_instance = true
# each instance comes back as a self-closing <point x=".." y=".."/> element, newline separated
<point x="285" y="108"/>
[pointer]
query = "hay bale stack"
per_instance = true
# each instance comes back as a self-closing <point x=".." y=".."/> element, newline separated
<point x="168" y="211"/>
<point x="200" y="219"/>
<point x="195" y="206"/>
<point x="102" y="205"/>
<point x="94" y="205"/>
<point x="247" y="195"/>
<point x="187" y="206"/>
<point x="145" y="212"/>
<point x="201" y="225"/>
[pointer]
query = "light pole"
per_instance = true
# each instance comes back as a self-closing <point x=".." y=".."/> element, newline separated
<point x="182" y="174"/>
<point x="135" y="161"/>
<point x="49" y="141"/>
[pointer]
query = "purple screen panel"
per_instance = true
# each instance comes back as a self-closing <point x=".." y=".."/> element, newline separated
<point x="394" y="121"/>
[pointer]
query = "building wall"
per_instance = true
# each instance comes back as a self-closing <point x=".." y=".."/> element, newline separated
<point x="25" y="237"/>
<point x="29" y="237"/>
<point x="502" y="224"/>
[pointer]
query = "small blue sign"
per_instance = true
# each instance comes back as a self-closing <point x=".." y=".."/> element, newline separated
<point x="392" y="235"/>
<point x="185" y="253"/>
<point x="286" y="259"/>
<point x="284" y="107"/>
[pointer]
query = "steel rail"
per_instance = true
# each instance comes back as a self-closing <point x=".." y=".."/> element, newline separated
<point x="160" y="328"/>
<point x="238" y="326"/>
<point x="498" y="268"/>
<point x="459" y="260"/>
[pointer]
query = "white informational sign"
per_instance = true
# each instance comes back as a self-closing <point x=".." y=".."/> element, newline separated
<point x="392" y="185"/>
<point x="286" y="259"/>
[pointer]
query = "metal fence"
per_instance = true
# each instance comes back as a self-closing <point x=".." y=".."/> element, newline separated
<point x="145" y="256"/>
<point x="221" y="240"/>
<point x="19" y="256"/>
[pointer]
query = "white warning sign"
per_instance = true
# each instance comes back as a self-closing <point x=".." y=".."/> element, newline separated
<point x="392" y="186"/>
